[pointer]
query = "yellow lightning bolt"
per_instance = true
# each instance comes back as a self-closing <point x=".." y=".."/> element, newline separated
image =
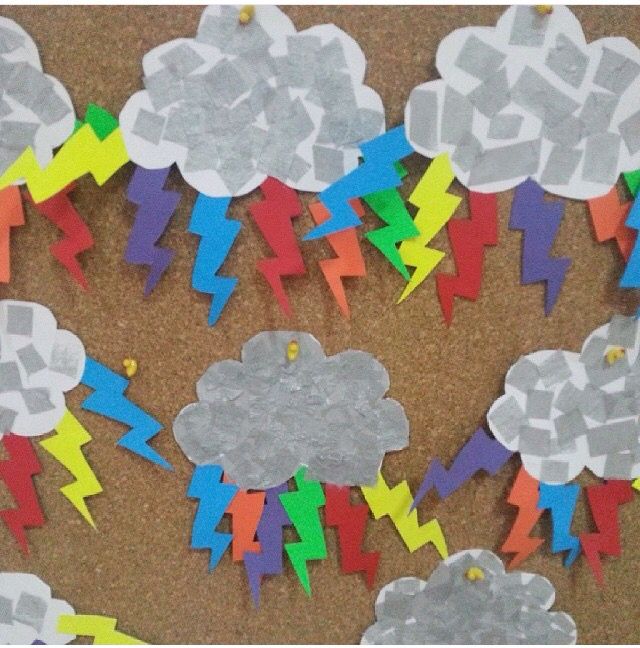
<point x="396" y="502"/>
<point x="82" y="153"/>
<point x="101" y="628"/>
<point x="636" y="484"/>
<point x="66" y="447"/>
<point x="435" y="208"/>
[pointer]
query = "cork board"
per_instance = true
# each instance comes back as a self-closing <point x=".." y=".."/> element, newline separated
<point x="137" y="566"/>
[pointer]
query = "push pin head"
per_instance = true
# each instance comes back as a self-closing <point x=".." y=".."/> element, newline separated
<point x="130" y="367"/>
<point x="614" y="354"/>
<point x="544" y="10"/>
<point x="293" y="349"/>
<point x="246" y="14"/>
<point x="474" y="574"/>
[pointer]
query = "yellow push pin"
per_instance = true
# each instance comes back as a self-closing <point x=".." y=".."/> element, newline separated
<point x="246" y="14"/>
<point x="614" y="354"/>
<point x="293" y="349"/>
<point x="544" y="10"/>
<point x="474" y="574"/>
<point x="130" y="367"/>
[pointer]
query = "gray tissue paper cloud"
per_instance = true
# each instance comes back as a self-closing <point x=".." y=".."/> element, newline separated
<point x="452" y="608"/>
<point x="267" y="415"/>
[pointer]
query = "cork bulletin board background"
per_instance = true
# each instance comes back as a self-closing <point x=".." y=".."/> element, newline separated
<point x="138" y="566"/>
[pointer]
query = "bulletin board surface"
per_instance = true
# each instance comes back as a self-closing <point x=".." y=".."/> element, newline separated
<point x="138" y="566"/>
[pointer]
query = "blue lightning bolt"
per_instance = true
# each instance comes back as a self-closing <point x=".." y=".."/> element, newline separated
<point x="217" y="237"/>
<point x="214" y="498"/>
<point x="108" y="399"/>
<point x="561" y="500"/>
<point x="377" y="172"/>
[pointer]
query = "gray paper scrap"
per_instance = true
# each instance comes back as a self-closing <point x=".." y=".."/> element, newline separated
<point x="615" y="71"/>
<point x="149" y="126"/>
<point x="506" y="162"/>
<point x="492" y="95"/>
<point x="568" y="61"/>
<point x="561" y="166"/>
<point x="529" y="27"/>
<point x="424" y="118"/>
<point x="479" y="59"/>
<point x="505" y="126"/>
<point x="601" y="158"/>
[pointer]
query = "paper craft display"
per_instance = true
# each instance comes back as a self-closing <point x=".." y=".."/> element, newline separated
<point x="241" y="102"/>
<point x="530" y="98"/>
<point x="287" y="404"/>
<point x="470" y="599"/>
<point x="29" y="613"/>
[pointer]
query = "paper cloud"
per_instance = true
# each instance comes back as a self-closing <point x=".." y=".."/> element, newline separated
<point x="566" y="411"/>
<point x="242" y="102"/>
<point x="35" y="109"/>
<point x="452" y="607"/>
<point x="28" y="613"/>
<point x="264" y="417"/>
<point x="38" y="363"/>
<point x="530" y="98"/>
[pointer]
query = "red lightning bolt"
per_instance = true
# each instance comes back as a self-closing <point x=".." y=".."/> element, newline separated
<point x="468" y="236"/>
<point x="609" y="216"/>
<point x="524" y="494"/>
<point x="604" y="500"/>
<point x="273" y="216"/>
<point x="245" y="510"/>
<point x="76" y="236"/>
<point x="17" y="473"/>
<point x="348" y="261"/>
<point x="11" y="215"/>
<point x="351" y="522"/>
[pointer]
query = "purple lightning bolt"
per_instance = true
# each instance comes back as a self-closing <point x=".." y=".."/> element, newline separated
<point x="269" y="561"/>
<point x="539" y="220"/>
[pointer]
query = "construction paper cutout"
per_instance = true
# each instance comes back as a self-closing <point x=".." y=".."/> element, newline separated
<point x="214" y="498"/>
<point x="269" y="560"/>
<point x="11" y="215"/>
<point x="245" y="510"/>
<point x="377" y="172"/>
<point x="604" y="500"/>
<point x="76" y="235"/>
<point x="17" y="473"/>
<point x="561" y="501"/>
<point x="350" y="522"/>
<point x="38" y="363"/>
<point x="565" y="411"/>
<point x="577" y="103"/>
<point x="525" y="495"/>
<point x="632" y="180"/>
<point x="470" y="599"/>
<point x="156" y="206"/>
<point x="29" y="611"/>
<point x="609" y="216"/>
<point x="101" y="628"/>
<point x="287" y="405"/>
<point x="539" y="221"/>
<point x="100" y="119"/>
<point x="468" y="237"/>
<point x="108" y="399"/>
<point x="66" y="448"/>
<point x="36" y="109"/>
<point x="631" y="275"/>
<point x="218" y="233"/>
<point x="435" y="208"/>
<point x="480" y="452"/>
<point x="396" y="503"/>
<point x="388" y="205"/>
<point x="273" y="216"/>
<point x="348" y="261"/>
<point x="243" y="102"/>
<point x="302" y="506"/>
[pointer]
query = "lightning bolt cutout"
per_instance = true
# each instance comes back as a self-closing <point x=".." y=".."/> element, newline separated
<point x="468" y="238"/>
<point x="11" y="215"/>
<point x="631" y="276"/>
<point x="388" y="205"/>
<point x="156" y="206"/>
<point x="561" y="501"/>
<point x="66" y="448"/>
<point x="604" y="500"/>
<point x="524" y="494"/>
<point x="348" y="261"/>
<point x="268" y="562"/>
<point x="632" y="180"/>
<point x="376" y="173"/>
<point x="435" y="208"/>
<point x="302" y="506"/>
<point x="273" y="216"/>
<point x="17" y="473"/>
<point x="245" y="510"/>
<point x="218" y="234"/>
<point x="101" y="628"/>
<point x="539" y="221"/>
<point x="396" y="503"/>
<point x="214" y="498"/>
<point x="108" y="399"/>
<point x="608" y="216"/>
<point x="480" y="452"/>
<point x="76" y="235"/>
<point x="350" y="522"/>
